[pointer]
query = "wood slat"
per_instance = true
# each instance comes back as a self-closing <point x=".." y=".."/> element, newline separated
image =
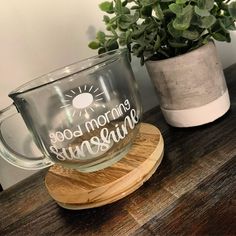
<point x="195" y="212"/>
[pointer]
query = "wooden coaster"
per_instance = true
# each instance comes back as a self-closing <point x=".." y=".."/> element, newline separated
<point x="76" y="190"/>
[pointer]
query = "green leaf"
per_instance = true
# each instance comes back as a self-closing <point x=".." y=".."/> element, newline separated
<point x="206" y="4"/>
<point x="188" y="9"/>
<point x="220" y="33"/>
<point x="182" y="22"/>
<point x="114" y="19"/>
<point x="166" y="1"/>
<point x="149" y="51"/>
<point x="201" y="12"/>
<point x="181" y="1"/>
<point x="207" y="22"/>
<point x="124" y="25"/>
<point x="106" y="19"/>
<point x="174" y="32"/>
<point x="227" y="23"/>
<point x="101" y="50"/>
<point x="137" y="50"/>
<point x="206" y="39"/>
<point x="125" y="21"/>
<point x="209" y="4"/>
<point x="107" y="7"/>
<point x="175" y="44"/>
<point x="122" y="40"/>
<point x="128" y="35"/>
<point x="147" y="2"/>
<point x="111" y="44"/>
<point x="175" y="8"/>
<point x="94" y="44"/>
<point x="141" y="41"/>
<point x="124" y="3"/>
<point x="158" y="11"/>
<point x="151" y="36"/>
<point x="157" y="43"/>
<point x="163" y="34"/>
<point x="101" y="36"/>
<point x="219" y="37"/>
<point x="191" y="34"/>
<point x="138" y="31"/>
<point x="232" y="9"/>
<point x="125" y="10"/>
<point x="118" y="7"/>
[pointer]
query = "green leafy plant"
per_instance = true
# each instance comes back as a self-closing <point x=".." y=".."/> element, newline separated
<point x="160" y="29"/>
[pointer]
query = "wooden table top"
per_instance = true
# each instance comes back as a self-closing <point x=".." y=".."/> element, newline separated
<point x="192" y="192"/>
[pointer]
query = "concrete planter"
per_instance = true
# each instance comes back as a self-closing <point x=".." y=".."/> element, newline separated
<point x="191" y="87"/>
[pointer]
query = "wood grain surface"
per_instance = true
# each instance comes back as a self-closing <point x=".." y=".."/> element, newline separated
<point x="193" y="192"/>
<point x="76" y="190"/>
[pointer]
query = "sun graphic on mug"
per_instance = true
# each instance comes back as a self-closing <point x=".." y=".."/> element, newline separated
<point x="82" y="99"/>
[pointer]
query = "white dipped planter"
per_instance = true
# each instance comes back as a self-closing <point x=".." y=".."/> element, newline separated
<point x="191" y="87"/>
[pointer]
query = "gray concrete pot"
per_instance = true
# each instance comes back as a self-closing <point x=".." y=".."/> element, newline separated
<point x="191" y="87"/>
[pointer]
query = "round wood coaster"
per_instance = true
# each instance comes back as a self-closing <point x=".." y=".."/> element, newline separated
<point x="76" y="190"/>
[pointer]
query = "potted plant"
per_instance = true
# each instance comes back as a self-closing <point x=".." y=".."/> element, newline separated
<point x="174" y="39"/>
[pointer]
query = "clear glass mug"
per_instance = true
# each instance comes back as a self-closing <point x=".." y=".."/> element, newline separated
<point x="83" y="116"/>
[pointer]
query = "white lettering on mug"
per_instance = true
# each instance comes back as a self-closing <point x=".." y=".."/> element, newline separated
<point x="66" y="134"/>
<point x="96" y="144"/>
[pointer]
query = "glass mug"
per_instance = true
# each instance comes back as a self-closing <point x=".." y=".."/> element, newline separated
<point x="84" y="116"/>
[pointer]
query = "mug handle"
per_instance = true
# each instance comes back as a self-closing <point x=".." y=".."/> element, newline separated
<point x="14" y="158"/>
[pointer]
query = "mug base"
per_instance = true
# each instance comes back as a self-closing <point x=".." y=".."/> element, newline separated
<point x="74" y="190"/>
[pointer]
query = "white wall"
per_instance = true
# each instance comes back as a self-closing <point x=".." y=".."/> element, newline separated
<point x="37" y="36"/>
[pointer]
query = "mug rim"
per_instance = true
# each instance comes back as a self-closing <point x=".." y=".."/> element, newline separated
<point x="109" y="56"/>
